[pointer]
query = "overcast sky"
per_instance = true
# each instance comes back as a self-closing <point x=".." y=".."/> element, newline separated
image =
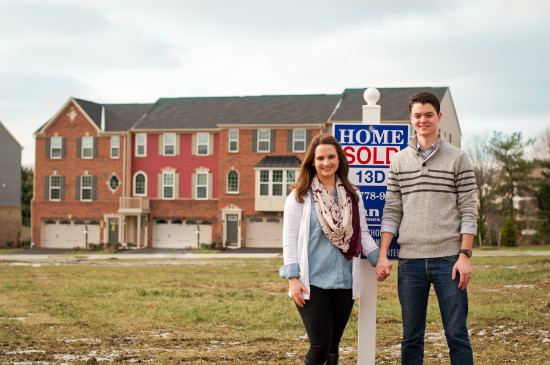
<point x="494" y="55"/>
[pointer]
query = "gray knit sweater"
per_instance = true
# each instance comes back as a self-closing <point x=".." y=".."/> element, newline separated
<point x="429" y="199"/>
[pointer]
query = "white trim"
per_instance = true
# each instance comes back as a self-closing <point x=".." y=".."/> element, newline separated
<point x="227" y="182"/>
<point x="164" y="144"/>
<point x="258" y="140"/>
<point x="50" y="189"/>
<point x="60" y="148"/>
<point x="294" y="140"/>
<point x="173" y="173"/>
<point x="117" y="147"/>
<point x="134" y="183"/>
<point x="284" y="181"/>
<point x="82" y="148"/>
<point x="202" y="144"/>
<point x="229" y="140"/>
<point x="197" y="173"/>
<point x="109" y="183"/>
<point x="42" y="130"/>
<point x="82" y="188"/>
<point x="136" y="154"/>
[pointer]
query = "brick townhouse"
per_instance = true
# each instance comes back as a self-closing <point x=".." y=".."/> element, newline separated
<point x="184" y="171"/>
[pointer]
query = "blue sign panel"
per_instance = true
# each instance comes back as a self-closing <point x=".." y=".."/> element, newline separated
<point x="369" y="150"/>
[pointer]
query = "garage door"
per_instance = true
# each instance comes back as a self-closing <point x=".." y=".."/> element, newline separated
<point x="264" y="232"/>
<point x="177" y="233"/>
<point x="68" y="234"/>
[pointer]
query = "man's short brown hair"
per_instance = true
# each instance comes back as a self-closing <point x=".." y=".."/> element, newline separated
<point x="424" y="98"/>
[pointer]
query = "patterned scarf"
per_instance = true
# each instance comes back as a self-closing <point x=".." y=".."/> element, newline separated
<point x="339" y="221"/>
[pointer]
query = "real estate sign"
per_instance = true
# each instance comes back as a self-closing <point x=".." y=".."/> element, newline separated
<point x="369" y="150"/>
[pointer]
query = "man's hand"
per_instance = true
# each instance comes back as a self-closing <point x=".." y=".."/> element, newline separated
<point x="464" y="268"/>
<point x="296" y="289"/>
<point x="383" y="268"/>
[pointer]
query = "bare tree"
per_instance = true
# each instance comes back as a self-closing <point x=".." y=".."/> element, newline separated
<point x="541" y="148"/>
<point x="486" y="169"/>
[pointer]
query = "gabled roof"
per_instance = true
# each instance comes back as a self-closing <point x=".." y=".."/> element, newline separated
<point x="279" y="161"/>
<point x="394" y="102"/>
<point x="210" y="112"/>
<point x="118" y="117"/>
<point x="2" y="126"/>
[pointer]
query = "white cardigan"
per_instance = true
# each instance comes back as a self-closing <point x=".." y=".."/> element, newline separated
<point x="296" y="239"/>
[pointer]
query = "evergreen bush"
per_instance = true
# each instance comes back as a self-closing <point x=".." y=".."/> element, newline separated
<point x="509" y="233"/>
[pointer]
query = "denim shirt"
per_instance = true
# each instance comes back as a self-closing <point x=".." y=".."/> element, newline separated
<point x="322" y="255"/>
<point x="328" y="268"/>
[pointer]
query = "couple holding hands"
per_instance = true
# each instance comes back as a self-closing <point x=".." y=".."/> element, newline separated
<point x="430" y="202"/>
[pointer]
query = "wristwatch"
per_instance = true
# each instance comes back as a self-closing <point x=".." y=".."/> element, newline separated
<point x="467" y="252"/>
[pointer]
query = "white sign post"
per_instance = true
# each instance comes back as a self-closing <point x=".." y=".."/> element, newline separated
<point x="366" y="343"/>
<point x="369" y="148"/>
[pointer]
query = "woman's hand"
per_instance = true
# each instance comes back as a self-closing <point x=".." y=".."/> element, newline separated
<point x="296" y="289"/>
<point x="383" y="268"/>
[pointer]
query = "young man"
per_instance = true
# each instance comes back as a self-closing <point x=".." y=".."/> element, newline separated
<point x="431" y="203"/>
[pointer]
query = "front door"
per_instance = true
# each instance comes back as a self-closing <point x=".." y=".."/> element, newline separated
<point x="232" y="233"/>
<point x="113" y="230"/>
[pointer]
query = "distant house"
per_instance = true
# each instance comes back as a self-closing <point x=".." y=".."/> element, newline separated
<point x="10" y="188"/>
<point x="185" y="171"/>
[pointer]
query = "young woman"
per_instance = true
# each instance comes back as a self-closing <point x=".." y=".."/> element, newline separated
<point x="324" y="233"/>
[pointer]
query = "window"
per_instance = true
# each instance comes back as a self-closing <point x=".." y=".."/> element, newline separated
<point x="233" y="140"/>
<point x="141" y="144"/>
<point x="202" y="185"/>
<point x="263" y="140"/>
<point x="86" y="188"/>
<point x="115" y="147"/>
<point x="56" y="147"/>
<point x="273" y="220"/>
<point x="168" y="185"/>
<point x="276" y="182"/>
<point x="256" y="220"/>
<point x="55" y="187"/>
<point x="277" y="186"/>
<point x="232" y="182"/>
<point x="191" y="222"/>
<point x="113" y="183"/>
<point x="169" y="144"/>
<point x="176" y="221"/>
<point x="161" y="221"/>
<point x="299" y="140"/>
<point x="290" y="180"/>
<point x="202" y="144"/>
<point x="140" y="184"/>
<point x="264" y="182"/>
<point x="87" y="147"/>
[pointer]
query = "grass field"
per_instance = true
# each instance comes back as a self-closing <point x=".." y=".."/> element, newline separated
<point x="236" y="311"/>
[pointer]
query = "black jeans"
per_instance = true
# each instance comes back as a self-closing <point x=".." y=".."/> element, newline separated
<point x="325" y="316"/>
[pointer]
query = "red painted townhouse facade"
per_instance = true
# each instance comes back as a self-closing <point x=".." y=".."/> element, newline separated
<point x="185" y="171"/>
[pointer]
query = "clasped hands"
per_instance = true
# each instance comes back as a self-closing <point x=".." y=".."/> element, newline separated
<point x="383" y="268"/>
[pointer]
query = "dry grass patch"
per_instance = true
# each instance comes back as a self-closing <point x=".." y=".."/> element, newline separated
<point x="236" y="311"/>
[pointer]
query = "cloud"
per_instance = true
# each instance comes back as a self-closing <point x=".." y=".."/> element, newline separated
<point x="492" y="54"/>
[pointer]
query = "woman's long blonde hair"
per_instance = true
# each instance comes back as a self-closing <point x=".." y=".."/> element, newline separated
<point x="307" y="169"/>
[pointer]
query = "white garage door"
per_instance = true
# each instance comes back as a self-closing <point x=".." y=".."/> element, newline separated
<point x="177" y="233"/>
<point x="68" y="234"/>
<point x="264" y="232"/>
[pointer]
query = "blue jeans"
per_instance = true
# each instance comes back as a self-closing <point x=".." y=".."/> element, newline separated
<point x="415" y="277"/>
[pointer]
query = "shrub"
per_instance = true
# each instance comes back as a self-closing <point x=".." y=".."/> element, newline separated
<point x="208" y="246"/>
<point x="509" y="233"/>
